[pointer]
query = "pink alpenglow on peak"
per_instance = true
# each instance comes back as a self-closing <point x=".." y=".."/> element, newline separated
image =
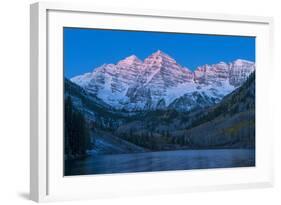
<point x="133" y="59"/>
<point x="158" y="57"/>
<point x="159" y="81"/>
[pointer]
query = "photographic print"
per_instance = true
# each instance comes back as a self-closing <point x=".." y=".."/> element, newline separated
<point x="143" y="101"/>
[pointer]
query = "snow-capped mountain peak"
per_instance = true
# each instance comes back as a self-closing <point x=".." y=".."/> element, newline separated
<point x="130" y="60"/>
<point x="160" y="82"/>
<point x="158" y="58"/>
<point x="242" y="61"/>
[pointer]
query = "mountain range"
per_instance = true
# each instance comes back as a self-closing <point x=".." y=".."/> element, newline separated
<point x="227" y="124"/>
<point x="159" y="82"/>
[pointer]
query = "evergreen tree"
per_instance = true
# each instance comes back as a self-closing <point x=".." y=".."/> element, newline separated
<point x="67" y="125"/>
<point x="76" y="131"/>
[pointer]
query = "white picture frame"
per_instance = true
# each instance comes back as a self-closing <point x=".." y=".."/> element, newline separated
<point x="47" y="182"/>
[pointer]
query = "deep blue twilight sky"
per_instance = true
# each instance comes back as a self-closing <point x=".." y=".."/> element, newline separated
<point x="86" y="49"/>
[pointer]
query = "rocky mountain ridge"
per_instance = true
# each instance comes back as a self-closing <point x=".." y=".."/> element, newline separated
<point x="159" y="82"/>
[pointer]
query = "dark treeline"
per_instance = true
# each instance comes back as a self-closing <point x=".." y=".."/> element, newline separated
<point x="76" y="132"/>
<point x="155" y="141"/>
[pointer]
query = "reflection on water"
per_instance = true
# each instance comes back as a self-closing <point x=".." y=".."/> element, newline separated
<point x="161" y="161"/>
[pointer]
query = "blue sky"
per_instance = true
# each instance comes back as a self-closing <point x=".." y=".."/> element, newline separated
<point x="86" y="49"/>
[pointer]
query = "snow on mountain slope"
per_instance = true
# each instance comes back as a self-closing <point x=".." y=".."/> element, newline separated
<point x="159" y="82"/>
<point x="239" y="71"/>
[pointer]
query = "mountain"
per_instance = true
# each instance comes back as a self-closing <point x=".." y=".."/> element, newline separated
<point x="94" y="109"/>
<point x="228" y="124"/>
<point x="159" y="82"/>
<point x="102" y="119"/>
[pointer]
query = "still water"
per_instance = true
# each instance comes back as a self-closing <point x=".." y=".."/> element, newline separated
<point x="161" y="161"/>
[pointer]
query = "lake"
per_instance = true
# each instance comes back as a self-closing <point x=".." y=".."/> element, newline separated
<point x="161" y="161"/>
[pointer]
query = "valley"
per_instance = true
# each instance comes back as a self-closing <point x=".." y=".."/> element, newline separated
<point x="157" y="115"/>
